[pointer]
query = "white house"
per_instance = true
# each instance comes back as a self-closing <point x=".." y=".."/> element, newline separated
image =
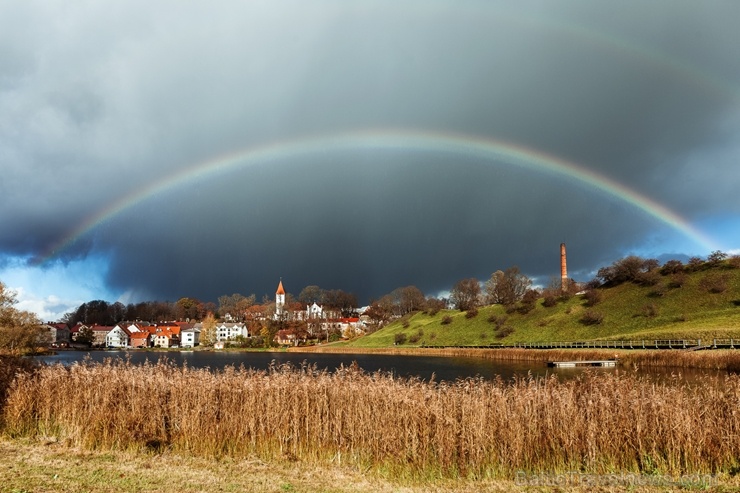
<point x="190" y="337"/>
<point x="118" y="337"/>
<point x="229" y="331"/>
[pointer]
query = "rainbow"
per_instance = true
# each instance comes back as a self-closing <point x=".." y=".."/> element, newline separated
<point x="400" y="140"/>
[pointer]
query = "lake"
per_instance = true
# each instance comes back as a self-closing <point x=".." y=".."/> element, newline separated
<point x="442" y="367"/>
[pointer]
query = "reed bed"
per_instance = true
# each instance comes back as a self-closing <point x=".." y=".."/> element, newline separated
<point x="596" y="423"/>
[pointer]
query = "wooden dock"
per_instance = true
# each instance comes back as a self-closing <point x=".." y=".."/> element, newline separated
<point x="573" y="364"/>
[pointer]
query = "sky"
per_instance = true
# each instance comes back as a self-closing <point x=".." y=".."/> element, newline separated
<point x="159" y="150"/>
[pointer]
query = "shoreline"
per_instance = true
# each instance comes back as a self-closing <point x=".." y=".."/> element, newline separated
<point x="716" y="359"/>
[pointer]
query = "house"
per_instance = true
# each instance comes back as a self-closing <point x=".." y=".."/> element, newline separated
<point x="165" y="338"/>
<point x="141" y="339"/>
<point x="73" y="331"/>
<point x="135" y="327"/>
<point x="59" y="334"/>
<point x="230" y="331"/>
<point x="119" y="336"/>
<point x="190" y="337"/>
<point x="100" y="332"/>
<point x="351" y="327"/>
<point x="286" y="338"/>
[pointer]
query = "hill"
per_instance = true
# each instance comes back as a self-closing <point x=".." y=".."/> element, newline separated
<point x="702" y="302"/>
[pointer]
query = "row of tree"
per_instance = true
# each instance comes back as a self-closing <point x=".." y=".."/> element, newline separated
<point x="101" y="312"/>
<point x="504" y="287"/>
<point x="237" y="306"/>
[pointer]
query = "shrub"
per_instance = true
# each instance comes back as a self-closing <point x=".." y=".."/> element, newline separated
<point x="504" y="331"/>
<point x="591" y="317"/>
<point x="498" y="320"/>
<point x="660" y="290"/>
<point x="625" y="270"/>
<point x="415" y="338"/>
<point x="406" y="323"/>
<point x="525" y="308"/>
<point x="446" y="320"/>
<point x="694" y="264"/>
<point x="549" y="301"/>
<point x="472" y="313"/>
<point x="649" y="278"/>
<point x="715" y="258"/>
<point x="679" y="279"/>
<point x="715" y="283"/>
<point x="650" y="310"/>
<point x="592" y="297"/>
<point x="734" y="262"/>
<point x="399" y="338"/>
<point x="672" y="267"/>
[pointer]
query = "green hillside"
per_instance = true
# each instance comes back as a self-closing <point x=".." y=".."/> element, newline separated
<point x="703" y="304"/>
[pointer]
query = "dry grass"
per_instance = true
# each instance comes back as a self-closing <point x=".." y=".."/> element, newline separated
<point x="597" y="423"/>
<point x="46" y="466"/>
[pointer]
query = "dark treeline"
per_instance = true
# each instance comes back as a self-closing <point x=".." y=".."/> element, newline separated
<point x="101" y="312"/>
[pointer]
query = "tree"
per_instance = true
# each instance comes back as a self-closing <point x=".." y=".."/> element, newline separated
<point x="85" y="336"/>
<point x="506" y="288"/>
<point x="341" y="301"/>
<point x="465" y="293"/>
<point x="380" y="311"/>
<point x="716" y="257"/>
<point x="20" y="331"/>
<point x="208" y="330"/>
<point x="628" y="269"/>
<point x="235" y="305"/>
<point x="410" y="299"/>
<point x="434" y="305"/>
<point x="311" y="294"/>
<point x="188" y="308"/>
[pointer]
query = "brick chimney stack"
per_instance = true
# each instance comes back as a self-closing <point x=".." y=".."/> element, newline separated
<point x="563" y="269"/>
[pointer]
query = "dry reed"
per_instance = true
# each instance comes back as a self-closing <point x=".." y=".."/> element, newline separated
<point x="597" y="423"/>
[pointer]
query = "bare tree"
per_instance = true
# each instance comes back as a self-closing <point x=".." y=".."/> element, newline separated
<point x="506" y="288"/>
<point x="465" y="294"/>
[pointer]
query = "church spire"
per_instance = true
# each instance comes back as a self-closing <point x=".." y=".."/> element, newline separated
<point x="280" y="299"/>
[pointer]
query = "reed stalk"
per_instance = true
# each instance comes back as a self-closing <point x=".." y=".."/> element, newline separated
<point x="595" y="423"/>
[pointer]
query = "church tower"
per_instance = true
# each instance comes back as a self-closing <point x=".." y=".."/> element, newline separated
<point x="280" y="299"/>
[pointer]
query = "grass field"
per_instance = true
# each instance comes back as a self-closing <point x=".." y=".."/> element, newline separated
<point x="630" y="311"/>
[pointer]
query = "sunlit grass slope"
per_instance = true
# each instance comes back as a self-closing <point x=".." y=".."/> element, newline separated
<point x="630" y="311"/>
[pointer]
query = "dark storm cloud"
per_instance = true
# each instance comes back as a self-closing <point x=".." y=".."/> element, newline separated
<point x="98" y="101"/>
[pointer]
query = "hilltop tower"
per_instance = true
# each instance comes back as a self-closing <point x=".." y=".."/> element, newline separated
<point x="563" y="269"/>
<point x="280" y="298"/>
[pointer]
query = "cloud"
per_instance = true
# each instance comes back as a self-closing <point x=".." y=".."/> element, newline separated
<point x="98" y="102"/>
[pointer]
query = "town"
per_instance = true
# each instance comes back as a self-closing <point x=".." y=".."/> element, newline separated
<point x="284" y="324"/>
